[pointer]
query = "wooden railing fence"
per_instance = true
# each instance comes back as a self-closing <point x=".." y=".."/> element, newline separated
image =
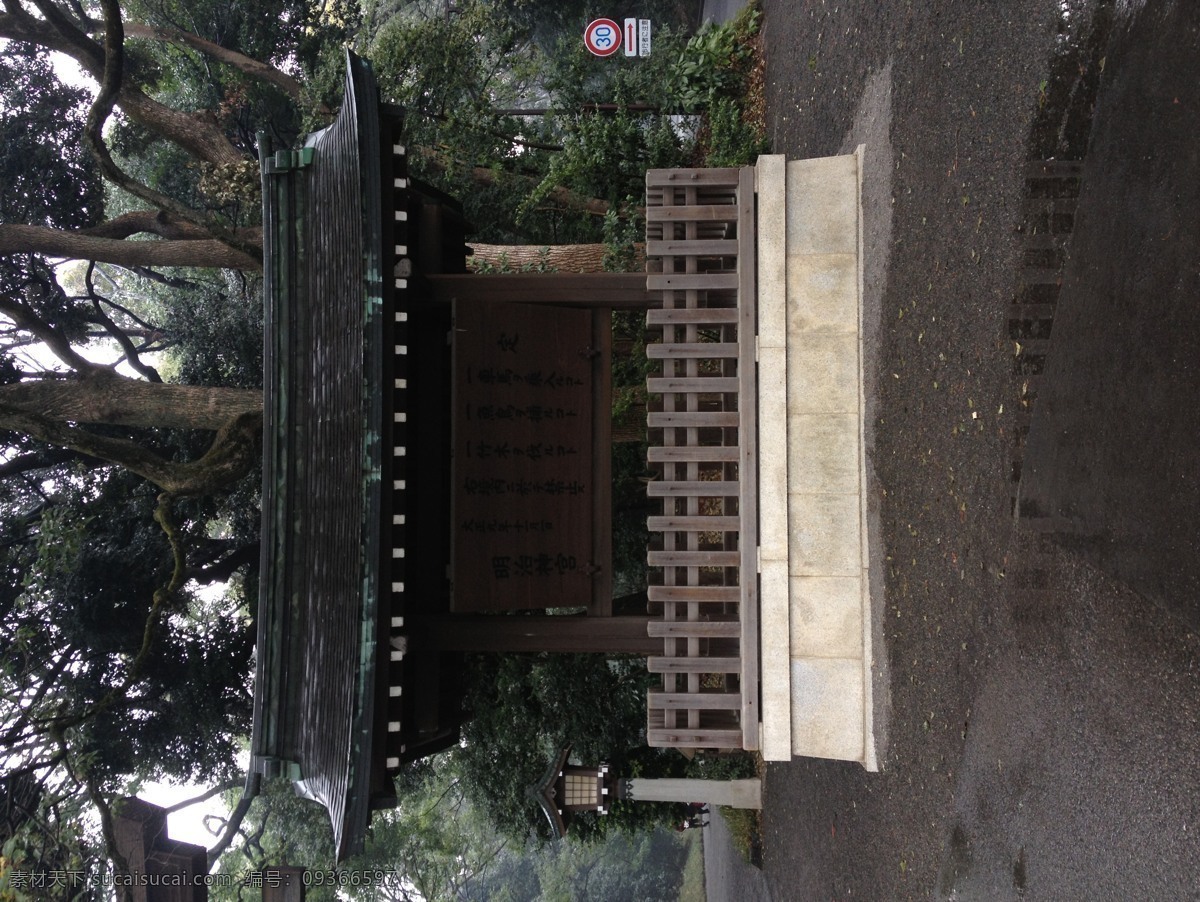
<point x="700" y="250"/>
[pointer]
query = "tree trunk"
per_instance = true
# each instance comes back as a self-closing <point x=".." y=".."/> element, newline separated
<point x="50" y="411"/>
<point x="24" y="239"/>
<point x="560" y="257"/>
<point x="104" y="397"/>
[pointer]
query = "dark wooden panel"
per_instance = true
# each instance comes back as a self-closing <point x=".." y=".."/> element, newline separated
<point x="602" y="511"/>
<point x="523" y="457"/>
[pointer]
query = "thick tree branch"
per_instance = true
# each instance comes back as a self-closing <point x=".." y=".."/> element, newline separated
<point x="116" y="332"/>
<point x="58" y="343"/>
<point x="230" y="830"/>
<point x="252" y="67"/>
<point x="109" y="398"/>
<point x="162" y="224"/>
<point x="18" y="239"/>
<point x="220" y="571"/>
<point x="204" y="796"/>
<point x="102" y="107"/>
<point x="197" y="133"/>
<point x="49" y="681"/>
<point x="38" y="460"/>
<point x="234" y="451"/>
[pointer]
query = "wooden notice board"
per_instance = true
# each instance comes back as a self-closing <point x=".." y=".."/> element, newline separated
<point x="523" y="492"/>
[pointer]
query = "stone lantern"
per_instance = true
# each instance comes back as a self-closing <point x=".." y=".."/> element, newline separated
<point x="566" y="790"/>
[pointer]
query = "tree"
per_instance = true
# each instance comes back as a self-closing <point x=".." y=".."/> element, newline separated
<point x="111" y="668"/>
<point x="525" y="708"/>
<point x="280" y="828"/>
<point x="434" y="844"/>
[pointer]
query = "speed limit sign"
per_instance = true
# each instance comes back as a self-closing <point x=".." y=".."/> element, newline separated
<point x="602" y="37"/>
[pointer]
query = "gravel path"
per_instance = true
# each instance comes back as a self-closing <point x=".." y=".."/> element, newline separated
<point x="727" y="876"/>
<point x="1039" y="692"/>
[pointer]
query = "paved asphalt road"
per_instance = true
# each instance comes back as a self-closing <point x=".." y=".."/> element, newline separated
<point x="1038" y="677"/>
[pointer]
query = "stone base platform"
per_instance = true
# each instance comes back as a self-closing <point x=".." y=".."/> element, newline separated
<point x="815" y="596"/>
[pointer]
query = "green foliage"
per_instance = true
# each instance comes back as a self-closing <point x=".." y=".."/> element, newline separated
<point x="282" y="829"/>
<point x="291" y="34"/>
<point x="712" y="76"/>
<point x="745" y="830"/>
<point x="46" y="178"/>
<point x="633" y="867"/>
<point x="215" y="322"/>
<point x="435" y="841"/>
<point x="80" y="555"/>
<point x="724" y="766"/>
<point x="41" y="838"/>
<point x="526" y="707"/>
<point x="731" y="141"/>
<point x="95" y="558"/>
<point x="708" y="68"/>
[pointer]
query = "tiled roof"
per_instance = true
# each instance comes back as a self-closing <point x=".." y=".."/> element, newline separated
<point x="323" y="464"/>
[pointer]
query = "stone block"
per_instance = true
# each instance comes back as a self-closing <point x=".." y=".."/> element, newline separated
<point x="772" y="452"/>
<point x="823" y="453"/>
<point x="824" y="535"/>
<point x="770" y="183"/>
<point x="822" y="206"/>
<point x="826" y="617"/>
<point x="823" y="373"/>
<point x="822" y="291"/>
<point x="776" y="686"/>
<point x="827" y="708"/>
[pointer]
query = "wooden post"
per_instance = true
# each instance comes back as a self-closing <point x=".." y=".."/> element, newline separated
<point x="520" y="633"/>
<point x="283" y="884"/>
<point x="626" y="290"/>
<point x="163" y="869"/>
<point x="730" y="793"/>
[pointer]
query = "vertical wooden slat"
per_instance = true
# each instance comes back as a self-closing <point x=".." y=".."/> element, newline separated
<point x="748" y="442"/>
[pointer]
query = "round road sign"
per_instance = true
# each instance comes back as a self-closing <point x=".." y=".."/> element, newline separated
<point x="602" y="37"/>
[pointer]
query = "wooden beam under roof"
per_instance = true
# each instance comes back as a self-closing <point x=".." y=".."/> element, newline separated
<point x="625" y="290"/>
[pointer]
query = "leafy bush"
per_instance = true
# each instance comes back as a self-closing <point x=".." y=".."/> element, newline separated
<point x="729" y="139"/>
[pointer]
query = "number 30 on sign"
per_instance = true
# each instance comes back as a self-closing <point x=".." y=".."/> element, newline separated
<point x="602" y="37"/>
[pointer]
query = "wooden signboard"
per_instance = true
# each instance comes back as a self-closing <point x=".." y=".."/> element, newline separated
<point x="523" y="479"/>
